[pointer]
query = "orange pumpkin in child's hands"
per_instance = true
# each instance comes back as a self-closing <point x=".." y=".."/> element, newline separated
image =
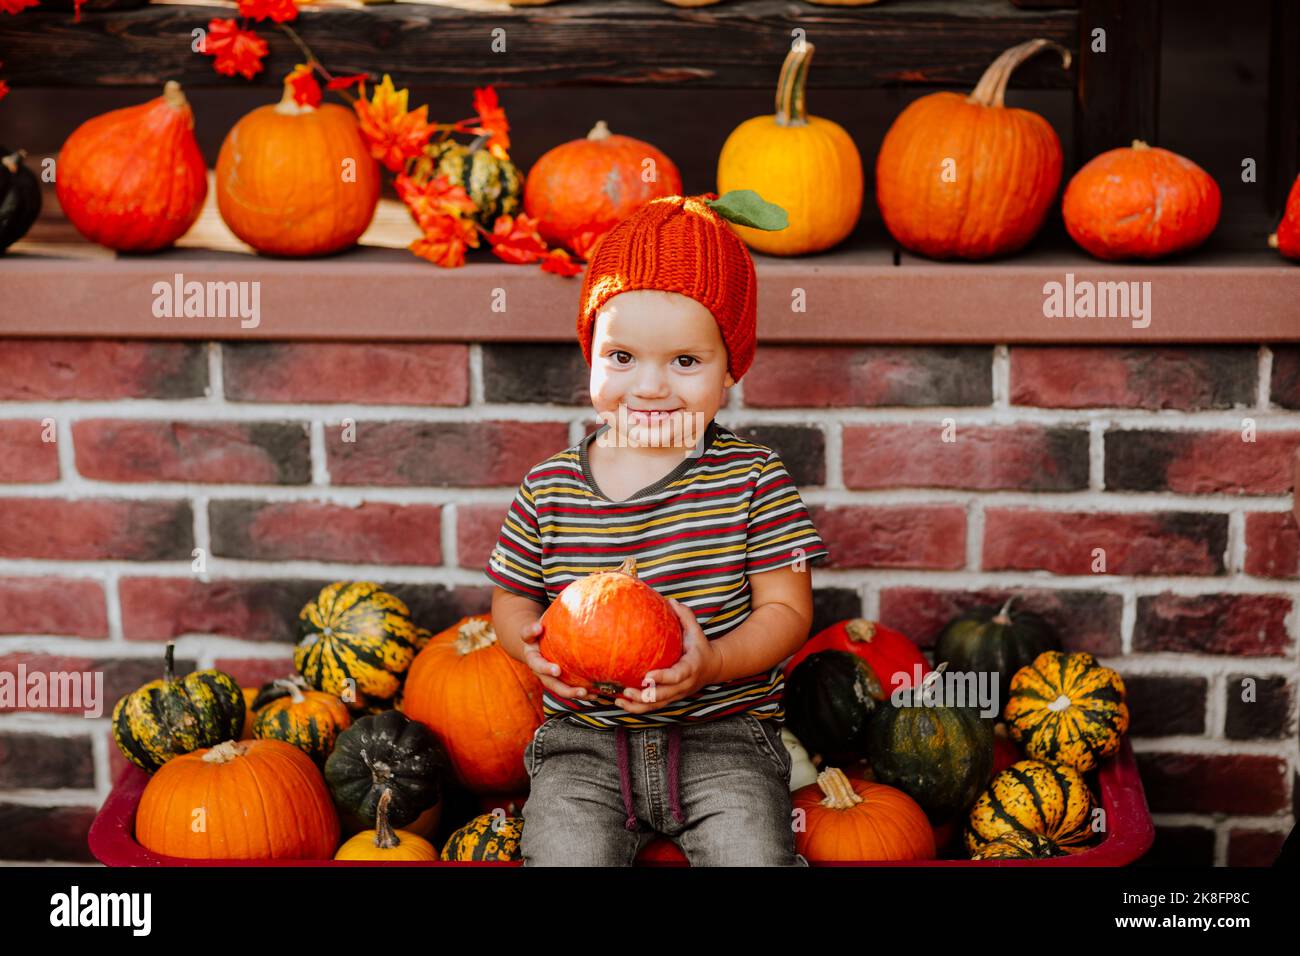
<point x="605" y="631"/>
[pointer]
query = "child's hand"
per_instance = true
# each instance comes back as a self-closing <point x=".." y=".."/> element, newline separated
<point x="544" y="669"/>
<point x="699" y="665"/>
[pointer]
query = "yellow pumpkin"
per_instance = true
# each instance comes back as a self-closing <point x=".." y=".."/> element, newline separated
<point x="1068" y="709"/>
<point x="385" y="843"/>
<point x="807" y="165"/>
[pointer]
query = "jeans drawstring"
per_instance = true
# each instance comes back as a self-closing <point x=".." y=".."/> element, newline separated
<point x="625" y="775"/>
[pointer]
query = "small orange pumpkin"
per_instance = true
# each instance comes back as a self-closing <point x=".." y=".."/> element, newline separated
<point x="133" y="179"/>
<point x="965" y="176"/>
<point x="608" y="629"/>
<point x="257" y="799"/>
<point x="1287" y="238"/>
<point x="581" y="189"/>
<point x="849" y="818"/>
<point x="386" y="844"/>
<point x="293" y="180"/>
<point x="482" y="703"/>
<point x="1140" y="202"/>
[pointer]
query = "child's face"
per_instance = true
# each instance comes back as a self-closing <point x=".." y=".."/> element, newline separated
<point x="657" y="351"/>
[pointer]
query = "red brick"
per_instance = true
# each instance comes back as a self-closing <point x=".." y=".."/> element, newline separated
<point x="36" y="369"/>
<point x="477" y="528"/>
<point x="61" y="606"/>
<point x="1212" y="783"/>
<point x="464" y="454"/>
<point x="831" y="376"/>
<point x="255" y="671"/>
<point x="46" y="762"/>
<point x="39" y="834"/>
<point x="1200" y="463"/>
<point x="1147" y="377"/>
<point x="1272" y="545"/>
<point x="1254" y="847"/>
<point x="1285" y="390"/>
<point x="1085" y="620"/>
<point x="1250" y="625"/>
<point x="116" y="761"/>
<point x="905" y="536"/>
<point x="24" y="457"/>
<point x="90" y="529"/>
<point x="1021" y="457"/>
<point x="121" y="675"/>
<point x="331" y="372"/>
<point x="373" y="533"/>
<point x="161" y="609"/>
<point x="1062" y="542"/>
<point x="221" y="452"/>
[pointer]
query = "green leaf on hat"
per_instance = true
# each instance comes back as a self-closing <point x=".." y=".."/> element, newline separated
<point x="747" y="208"/>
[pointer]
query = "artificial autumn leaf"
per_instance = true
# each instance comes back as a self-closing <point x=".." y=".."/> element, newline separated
<point x="236" y="51"/>
<point x="4" y="89"/>
<point x="445" y="241"/>
<point x="515" y="239"/>
<point x="305" y="89"/>
<point x="14" y="6"/>
<point x="343" y="82"/>
<point x="434" y="199"/>
<point x="393" y="133"/>
<point x="560" y="262"/>
<point x="584" y="243"/>
<point x="493" y="119"/>
<point x="280" y="11"/>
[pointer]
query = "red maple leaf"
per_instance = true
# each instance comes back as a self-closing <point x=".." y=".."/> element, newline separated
<point x="306" y="91"/>
<point x="434" y="199"/>
<point x="236" y="51"/>
<point x="493" y="120"/>
<point x="280" y="11"/>
<point x="515" y="239"/>
<point x="343" y="82"/>
<point x="4" y="89"/>
<point x="560" y="262"/>
<point x="13" y="6"/>
<point x="445" y="239"/>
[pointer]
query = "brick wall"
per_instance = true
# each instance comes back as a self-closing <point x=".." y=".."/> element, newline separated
<point x="279" y="468"/>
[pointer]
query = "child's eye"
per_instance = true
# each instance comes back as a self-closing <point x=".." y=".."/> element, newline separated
<point x="690" y="358"/>
<point x="615" y="355"/>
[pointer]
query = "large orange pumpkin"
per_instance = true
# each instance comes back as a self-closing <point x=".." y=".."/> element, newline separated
<point x="965" y="176"/>
<point x="1287" y="238"/>
<point x="807" y="165"/>
<point x="246" y="800"/>
<point x="581" y="189"/>
<point x="133" y="179"/>
<point x="848" y="818"/>
<point x="1140" y="202"/>
<point x="294" y="180"/>
<point x="607" y="630"/>
<point x="482" y="703"/>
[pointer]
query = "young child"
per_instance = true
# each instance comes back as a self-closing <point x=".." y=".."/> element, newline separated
<point x="667" y="324"/>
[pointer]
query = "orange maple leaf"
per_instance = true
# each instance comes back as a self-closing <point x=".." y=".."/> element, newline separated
<point x="394" y="133"/>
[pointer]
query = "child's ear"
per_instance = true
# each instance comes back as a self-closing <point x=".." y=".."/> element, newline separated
<point x="729" y="381"/>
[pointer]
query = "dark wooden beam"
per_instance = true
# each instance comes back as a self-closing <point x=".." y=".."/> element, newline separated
<point x="595" y="42"/>
<point x="1283" y="103"/>
<point x="1118" y="92"/>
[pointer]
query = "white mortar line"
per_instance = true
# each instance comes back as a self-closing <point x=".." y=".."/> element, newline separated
<point x="1234" y="555"/>
<point x="216" y="390"/>
<point x="1097" y="454"/>
<point x="116" y="636"/>
<point x="51" y="798"/>
<point x="1264" y="377"/>
<point x="974" y="535"/>
<point x="475" y="376"/>
<point x="834" y="432"/>
<point x="319" y="454"/>
<point x="1001" y="377"/>
<point x="449" y="523"/>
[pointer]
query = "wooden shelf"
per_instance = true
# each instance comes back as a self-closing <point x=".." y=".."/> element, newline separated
<point x="854" y="294"/>
<point x="736" y="44"/>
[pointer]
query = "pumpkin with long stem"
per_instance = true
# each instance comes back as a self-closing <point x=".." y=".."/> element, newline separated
<point x="385" y="843"/>
<point x="847" y="818"/>
<point x="995" y="640"/>
<point x="386" y="751"/>
<point x="1140" y="202"/>
<point x="133" y="179"/>
<point x="806" y="164"/>
<point x="966" y="176"/>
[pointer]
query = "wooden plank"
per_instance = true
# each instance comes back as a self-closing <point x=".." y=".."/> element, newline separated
<point x="1118" y="94"/>
<point x="854" y="295"/>
<point x="595" y="42"/>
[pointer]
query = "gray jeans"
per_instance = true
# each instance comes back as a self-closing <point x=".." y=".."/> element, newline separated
<point x="734" y="783"/>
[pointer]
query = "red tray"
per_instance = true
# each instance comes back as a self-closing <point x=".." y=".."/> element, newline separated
<point x="1130" y="832"/>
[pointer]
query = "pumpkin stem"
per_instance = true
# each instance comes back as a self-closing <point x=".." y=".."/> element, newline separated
<point x="598" y="132"/>
<point x="225" y="752"/>
<point x="288" y="106"/>
<point x="1139" y="145"/>
<point x="932" y="677"/>
<point x="385" y="838"/>
<point x="840" y="794"/>
<point x="173" y="95"/>
<point x="1272" y="240"/>
<point x="478" y="142"/>
<point x="474" y="635"/>
<point x="1003" y="616"/>
<point x="791" y="84"/>
<point x="13" y="160"/>
<point x="169" y="665"/>
<point x="860" y="630"/>
<point x="992" y="86"/>
<point x="292" y="687"/>
<point x="628" y="566"/>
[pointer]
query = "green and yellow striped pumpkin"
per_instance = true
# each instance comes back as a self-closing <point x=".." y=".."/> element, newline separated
<point x="1018" y="845"/>
<point x="1047" y="799"/>
<point x="308" y="719"/>
<point x="355" y="631"/>
<point x="174" y="716"/>
<point x="1068" y="709"/>
<point x="477" y="840"/>
<point x="495" y="185"/>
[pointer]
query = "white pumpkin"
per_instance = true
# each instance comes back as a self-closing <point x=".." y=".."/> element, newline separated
<point x="802" y="771"/>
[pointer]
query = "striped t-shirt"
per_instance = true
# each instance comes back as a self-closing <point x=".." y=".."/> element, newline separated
<point x="728" y="510"/>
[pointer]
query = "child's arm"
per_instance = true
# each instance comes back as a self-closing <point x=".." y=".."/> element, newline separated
<point x="517" y="622"/>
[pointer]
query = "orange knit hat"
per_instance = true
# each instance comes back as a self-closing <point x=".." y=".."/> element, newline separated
<point x="677" y="244"/>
